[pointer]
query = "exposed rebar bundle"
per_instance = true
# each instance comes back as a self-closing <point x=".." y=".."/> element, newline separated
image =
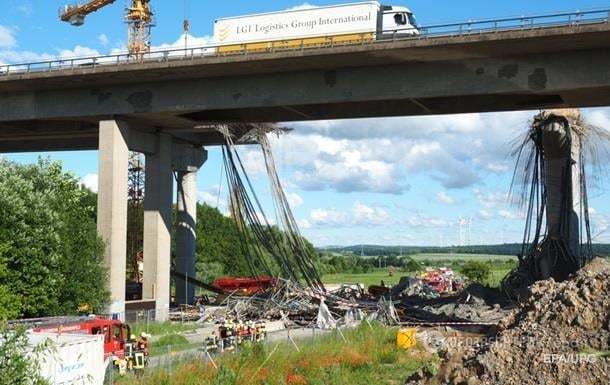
<point x="551" y="161"/>
<point x="262" y="241"/>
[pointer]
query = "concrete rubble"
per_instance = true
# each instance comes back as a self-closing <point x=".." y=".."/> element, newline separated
<point x="560" y="335"/>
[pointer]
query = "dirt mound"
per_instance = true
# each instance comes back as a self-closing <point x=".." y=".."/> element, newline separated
<point x="557" y="337"/>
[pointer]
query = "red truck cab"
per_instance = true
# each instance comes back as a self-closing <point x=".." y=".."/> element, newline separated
<point x="115" y="332"/>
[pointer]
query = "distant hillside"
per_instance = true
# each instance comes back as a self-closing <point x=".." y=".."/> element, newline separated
<point x="504" y="249"/>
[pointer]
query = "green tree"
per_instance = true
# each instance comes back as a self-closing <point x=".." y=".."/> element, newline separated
<point x="16" y="365"/>
<point x="9" y="303"/>
<point x="411" y="265"/>
<point x="218" y="241"/>
<point x="476" y="271"/>
<point x="52" y="251"/>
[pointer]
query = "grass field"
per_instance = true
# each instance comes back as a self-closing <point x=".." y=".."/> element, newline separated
<point x="368" y="355"/>
<point x="161" y="329"/>
<point x="500" y="265"/>
<point x="368" y="279"/>
<point x="462" y="257"/>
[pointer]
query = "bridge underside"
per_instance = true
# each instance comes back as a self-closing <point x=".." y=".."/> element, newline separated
<point x="519" y="70"/>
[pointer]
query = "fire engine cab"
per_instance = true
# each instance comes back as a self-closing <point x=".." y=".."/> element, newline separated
<point x="116" y="333"/>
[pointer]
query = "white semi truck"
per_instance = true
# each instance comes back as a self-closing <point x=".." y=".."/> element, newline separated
<point x="308" y="27"/>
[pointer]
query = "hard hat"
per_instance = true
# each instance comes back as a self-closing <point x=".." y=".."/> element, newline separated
<point x="133" y="336"/>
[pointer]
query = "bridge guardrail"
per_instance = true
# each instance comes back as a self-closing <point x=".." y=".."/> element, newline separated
<point x="421" y="32"/>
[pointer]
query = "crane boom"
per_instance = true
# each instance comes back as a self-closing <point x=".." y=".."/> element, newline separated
<point x="139" y="18"/>
<point x="75" y="14"/>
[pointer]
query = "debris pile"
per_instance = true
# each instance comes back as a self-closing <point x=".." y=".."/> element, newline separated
<point x="560" y="335"/>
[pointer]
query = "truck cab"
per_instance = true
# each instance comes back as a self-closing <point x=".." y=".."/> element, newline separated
<point x="397" y="21"/>
<point x="115" y="332"/>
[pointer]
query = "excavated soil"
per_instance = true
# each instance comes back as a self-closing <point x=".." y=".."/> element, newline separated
<point x="558" y="336"/>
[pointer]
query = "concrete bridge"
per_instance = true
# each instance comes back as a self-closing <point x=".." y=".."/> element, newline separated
<point x="165" y="108"/>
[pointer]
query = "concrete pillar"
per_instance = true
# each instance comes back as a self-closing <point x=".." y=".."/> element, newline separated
<point x="187" y="161"/>
<point x="185" y="235"/>
<point x="157" y="226"/>
<point x="112" y="206"/>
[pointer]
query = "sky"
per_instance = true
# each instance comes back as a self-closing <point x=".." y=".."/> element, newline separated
<point x="440" y="180"/>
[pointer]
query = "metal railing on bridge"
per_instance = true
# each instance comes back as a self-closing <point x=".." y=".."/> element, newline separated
<point x="571" y="19"/>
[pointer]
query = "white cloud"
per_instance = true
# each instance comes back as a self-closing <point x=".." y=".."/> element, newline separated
<point x="493" y="199"/>
<point x="600" y="224"/>
<point x="13" y="56"/>
<point x="294" y="200"/>
<point x="103" y="39"/>
<point x="186" y="40"/>
<point x="484" y="215"/>
<point x="444" y="198"/>
<point x="7" y="37"/>
<point x="456" y="150"/>
<point x="304" y="224"/>
<point x="253" y="161"/>
<point x="511" y="215"/>
<point x="90" y="181"/>
<point x="420" y="220"/>
<point x="359" y="215"/>
<point x="367" y="215"/>
<point x="322" y="163"/>
<point x="327" y="217"/>
<point x="19" y="57"/>
<point x="78" y="51"/>
<point x="215" y="197"/>
<point x="301" y="6"/>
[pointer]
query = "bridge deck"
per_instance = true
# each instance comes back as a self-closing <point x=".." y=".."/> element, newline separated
<point x="506" y="70"/>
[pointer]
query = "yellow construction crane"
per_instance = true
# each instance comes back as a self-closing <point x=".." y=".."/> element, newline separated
<point x="139" y="18"/>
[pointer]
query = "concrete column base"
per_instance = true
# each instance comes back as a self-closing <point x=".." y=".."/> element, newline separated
<point x="157" y="226"/>
<point x="185" y="235"/>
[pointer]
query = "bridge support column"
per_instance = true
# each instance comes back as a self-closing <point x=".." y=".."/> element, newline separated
<point x="187" y="161"/>
<point x="157" y="226"/>
<point x="112" y="206"/>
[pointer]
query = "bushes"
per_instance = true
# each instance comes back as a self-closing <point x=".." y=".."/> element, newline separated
<point x="412" y="265"/>
<point x="49" y="241"/>
<point x="9" y="303"/>
<point x="476" y="271"/>
<point x="16" y="368"/>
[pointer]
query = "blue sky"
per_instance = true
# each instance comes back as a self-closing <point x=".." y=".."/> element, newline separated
<point x="385" y="181"/>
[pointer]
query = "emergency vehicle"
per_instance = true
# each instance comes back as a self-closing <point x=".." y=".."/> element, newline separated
<point x="121" y="350"/>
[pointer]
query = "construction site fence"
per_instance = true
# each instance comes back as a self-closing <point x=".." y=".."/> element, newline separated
<point x="471" y="27"/>
<point x="152" y="316"/>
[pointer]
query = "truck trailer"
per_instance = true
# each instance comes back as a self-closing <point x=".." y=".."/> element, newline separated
<point x="309" y="27"/>
<point x="69" y="359"/>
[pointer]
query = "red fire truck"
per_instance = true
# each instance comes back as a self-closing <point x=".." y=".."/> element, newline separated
<point x="116" y="333"/>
